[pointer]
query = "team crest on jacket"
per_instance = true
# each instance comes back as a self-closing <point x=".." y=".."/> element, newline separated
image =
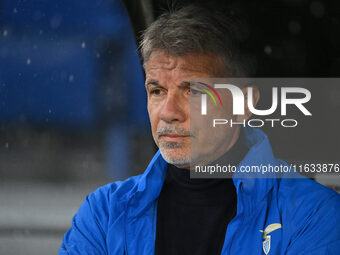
<point x="266" y="243"/>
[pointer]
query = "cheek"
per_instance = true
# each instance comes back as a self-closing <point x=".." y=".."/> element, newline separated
<point x="227" y="108"/>
<point x="153" y="116"/>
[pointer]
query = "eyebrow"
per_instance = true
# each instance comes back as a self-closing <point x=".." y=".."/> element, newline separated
<point x="151" y="82"/>
<point x="185" y="84"/>
<point x="156" y="83"/>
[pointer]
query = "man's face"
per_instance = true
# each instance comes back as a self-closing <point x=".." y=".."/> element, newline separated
<point x="168" y="89"/>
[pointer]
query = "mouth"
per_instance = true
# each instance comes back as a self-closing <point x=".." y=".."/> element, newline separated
<point x="173" y="137"/>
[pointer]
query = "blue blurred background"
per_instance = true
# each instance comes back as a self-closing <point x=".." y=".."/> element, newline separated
<point x="72" y="114"/>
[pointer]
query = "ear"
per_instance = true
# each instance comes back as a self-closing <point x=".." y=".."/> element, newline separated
<point x="255" y="94"/>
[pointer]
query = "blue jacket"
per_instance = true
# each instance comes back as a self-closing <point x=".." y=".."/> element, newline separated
<point x="298" y="216"/>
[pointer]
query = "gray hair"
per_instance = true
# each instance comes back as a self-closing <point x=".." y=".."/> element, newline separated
<point x="193" y="29"/>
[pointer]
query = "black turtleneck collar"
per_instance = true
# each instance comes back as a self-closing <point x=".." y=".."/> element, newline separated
<point x="193" y="214"/>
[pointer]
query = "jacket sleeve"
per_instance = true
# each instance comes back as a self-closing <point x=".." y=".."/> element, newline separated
<point x="320" y="233"/>
<point x="89" y="226"/>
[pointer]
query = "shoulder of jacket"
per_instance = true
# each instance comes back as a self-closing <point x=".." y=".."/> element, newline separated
<point x="305" y="191"/>
<point x="302" y="191"/>
<point x="305" y="203"/>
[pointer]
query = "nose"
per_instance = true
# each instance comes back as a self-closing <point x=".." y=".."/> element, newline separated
<point x="173" y="109"/>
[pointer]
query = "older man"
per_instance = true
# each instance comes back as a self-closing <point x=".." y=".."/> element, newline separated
<point x="164" y="211"/>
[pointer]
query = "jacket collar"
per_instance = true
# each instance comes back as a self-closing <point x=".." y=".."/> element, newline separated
<point x="150" y="184"/>
<point x="256" y="185"/>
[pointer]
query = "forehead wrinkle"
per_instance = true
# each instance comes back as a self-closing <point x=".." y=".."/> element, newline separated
<point x="187" y="63"/>
<point x="163" y="62"/>
<point x="197" y="65"/>
<point x="184" y="68"/>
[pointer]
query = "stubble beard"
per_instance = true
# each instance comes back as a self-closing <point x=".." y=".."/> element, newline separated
<point x="170" y="153"/>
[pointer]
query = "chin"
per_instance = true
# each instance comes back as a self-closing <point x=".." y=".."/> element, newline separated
<point x="175" y="157"/>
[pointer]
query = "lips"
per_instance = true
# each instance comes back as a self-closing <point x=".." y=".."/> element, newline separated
<point x="173" y="137"/>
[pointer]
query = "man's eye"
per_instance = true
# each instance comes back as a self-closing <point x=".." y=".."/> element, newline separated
<point x="156" y="92"/>
<point x="195" y="92"/>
